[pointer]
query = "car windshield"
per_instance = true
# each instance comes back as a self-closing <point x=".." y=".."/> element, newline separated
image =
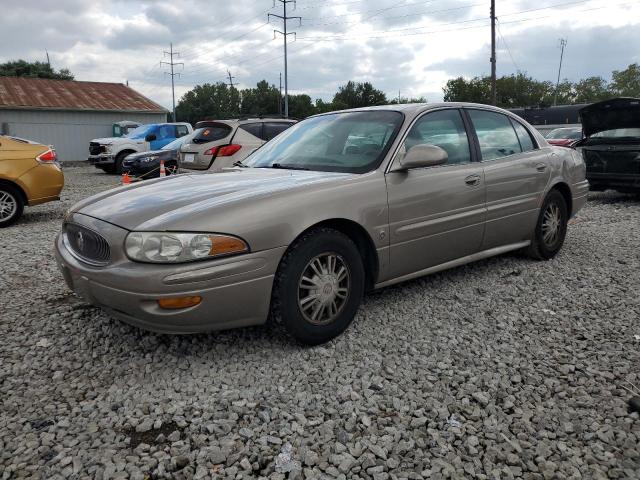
<point x="569" y="133"/>
<point x="141" y="132"/>
<point x="618" y="133"/>
<point x="353" y="142"/>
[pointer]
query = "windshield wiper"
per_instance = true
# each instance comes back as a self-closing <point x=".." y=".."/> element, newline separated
<point x="238" y="163"/>
<point x="287" y="167"/>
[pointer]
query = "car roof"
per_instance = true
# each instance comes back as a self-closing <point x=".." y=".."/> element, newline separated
<point x="243" y="121"/>
<point x="416" y="108"/>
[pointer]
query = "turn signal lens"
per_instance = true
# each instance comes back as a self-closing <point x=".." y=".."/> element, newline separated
<point x="179" y="302"/>
<point x="222" y="245"/>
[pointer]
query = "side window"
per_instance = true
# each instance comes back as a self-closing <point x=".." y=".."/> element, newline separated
<point x="526" y="142"/>
<point x="182" y="130"/>
<point x="166" y="131"/>
<point x="254" y="129"/>
<point x="495" y="133"/>
<point x="271" y="129"/>
<point x="444" y="129"/>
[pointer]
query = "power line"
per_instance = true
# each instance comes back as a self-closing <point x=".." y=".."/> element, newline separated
<point x="504" y="42"/>
<point x="171" y="63"/>
<point x="284" y="34"/>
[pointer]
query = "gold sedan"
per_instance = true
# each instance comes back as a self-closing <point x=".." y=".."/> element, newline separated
<point x="29" y="175"/>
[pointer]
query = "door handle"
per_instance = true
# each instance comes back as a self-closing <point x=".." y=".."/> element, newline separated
<point x="541" y="167"/>
<point x="472" y="180"/>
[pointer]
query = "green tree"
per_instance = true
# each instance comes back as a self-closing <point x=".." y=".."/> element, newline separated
<point x="300" y="106"/>
<point x="355" y="95"/>
<point x="22" y="68"/>
<point x="591" y="89"/>
<point x="626" y="83"/>
<point x="459" y="89"/>
<point x="405" y="100"/>
<point x="208" y="101"/>
<point x="261" y="100"/>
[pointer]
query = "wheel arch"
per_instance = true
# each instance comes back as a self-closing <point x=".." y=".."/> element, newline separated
<point x="360" y="237"/>
<point x="15" y="185"/>
<point x="564" y="189"/>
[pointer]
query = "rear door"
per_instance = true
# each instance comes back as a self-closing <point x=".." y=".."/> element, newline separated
<point x="516" y="173"/>
<point x="436" y="214"/>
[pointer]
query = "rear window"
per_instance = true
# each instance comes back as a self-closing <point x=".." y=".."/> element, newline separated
<point x="211" y="132"/>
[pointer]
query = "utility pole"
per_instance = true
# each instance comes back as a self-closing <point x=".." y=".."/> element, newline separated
<point x="563" y="43"/>
<point x="171" y="63"/>
<point x="493" y="52"/>
<point x="284" y="34"/>
<point x="398" y="96"/>
<point x="280" y="97"/>
<point x="48" y="61"/>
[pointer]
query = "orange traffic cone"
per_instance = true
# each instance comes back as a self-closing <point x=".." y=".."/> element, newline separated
<point x="125" y="179"/>
<point x="163" y="172"/>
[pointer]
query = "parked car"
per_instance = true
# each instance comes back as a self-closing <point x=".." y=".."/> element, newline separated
<point x="147" y="164"/>
<point x="120" y="129"/>
<point x="564" y="137"/>
<point x="317" y="216"/>
<point x="109" y="153"/>
<point x="221" y="143"/>
<point x="29" y="175"/>
<point x="611" y="149"/>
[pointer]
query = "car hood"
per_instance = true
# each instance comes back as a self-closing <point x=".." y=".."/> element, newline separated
<point x="610" y="115"/>
<point x="113" y="140"/>
<point x="150" y="153"/>
<point x="157" y="204"/>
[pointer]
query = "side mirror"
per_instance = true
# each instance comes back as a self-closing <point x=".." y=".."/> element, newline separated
<point x="150" y="138"/>
<point x="421" y="156"/>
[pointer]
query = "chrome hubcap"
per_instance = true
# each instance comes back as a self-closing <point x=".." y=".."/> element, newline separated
<point x="323" y="288"/>
<point x="551" y="224"/>
<point x="8" y="205"/>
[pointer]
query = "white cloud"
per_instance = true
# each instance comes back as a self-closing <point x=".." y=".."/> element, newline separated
<point x="412" y="45"/>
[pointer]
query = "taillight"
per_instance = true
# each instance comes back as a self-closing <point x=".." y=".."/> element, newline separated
<point x="223" y="151"/>
<point x="47" y="157"/>
<point x="228" y="150"/>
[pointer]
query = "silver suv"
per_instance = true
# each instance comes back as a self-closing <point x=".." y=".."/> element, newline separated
<point x="218" y="144"/>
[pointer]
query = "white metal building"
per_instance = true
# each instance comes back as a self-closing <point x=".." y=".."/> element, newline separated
<point x="68" y="114"/>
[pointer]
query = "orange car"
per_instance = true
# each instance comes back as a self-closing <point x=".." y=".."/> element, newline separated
<point x="29" y="174"/>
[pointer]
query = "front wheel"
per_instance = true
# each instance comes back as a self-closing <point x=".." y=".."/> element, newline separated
<point x="551" y="228"/>
<point x="11" y="205"/>
<point x="319" y="286"/>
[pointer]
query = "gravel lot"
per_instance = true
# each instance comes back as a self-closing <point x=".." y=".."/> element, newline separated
<point x="507" y="368"/>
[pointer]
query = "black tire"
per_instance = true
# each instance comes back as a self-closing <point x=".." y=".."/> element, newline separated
<point x="11" y="205"/>
<point x="108" y="169"/>
<point x="117" y="166"/>
<point x="543" y="248"/>
<point x="285" y="304"/>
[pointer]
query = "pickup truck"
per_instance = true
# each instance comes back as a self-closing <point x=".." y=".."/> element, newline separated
<point x="109" y="153"/>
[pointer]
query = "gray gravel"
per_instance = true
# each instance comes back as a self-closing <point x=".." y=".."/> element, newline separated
<point x="507" y="368"/>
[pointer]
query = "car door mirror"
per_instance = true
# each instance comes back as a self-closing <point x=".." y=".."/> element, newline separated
<point x="150" y="138"/>
<point x="421" y="156"/>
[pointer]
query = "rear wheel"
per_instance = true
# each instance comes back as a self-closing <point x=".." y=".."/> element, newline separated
<point x="11" y="205"/>
<point x="319" y="286"/>
<point x="551" y="228"/>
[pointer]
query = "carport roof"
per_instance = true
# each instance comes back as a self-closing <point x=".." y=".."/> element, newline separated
<point x="40" y="93"/>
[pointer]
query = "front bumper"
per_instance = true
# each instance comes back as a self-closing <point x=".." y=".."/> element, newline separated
<point x="235" y="291"/>
<point x="103" y="159"/>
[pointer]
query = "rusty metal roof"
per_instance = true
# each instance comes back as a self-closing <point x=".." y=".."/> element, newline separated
<point x="40" y="93"/>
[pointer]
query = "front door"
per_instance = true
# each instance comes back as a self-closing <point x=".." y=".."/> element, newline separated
<point x="436" y="214"/>
<point x="516" y="173"/>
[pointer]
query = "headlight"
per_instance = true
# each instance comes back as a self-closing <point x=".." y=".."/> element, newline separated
<point x="107" y="148"/>
<point x="167" y="247"/>
<point x="148" y="159"/>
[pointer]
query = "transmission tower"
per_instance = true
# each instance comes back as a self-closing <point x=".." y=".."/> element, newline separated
<point x="172" y="64"/>
<point x="563" y="43"/>
<point x="284" y="34"/>
<point x="230" y="79"/>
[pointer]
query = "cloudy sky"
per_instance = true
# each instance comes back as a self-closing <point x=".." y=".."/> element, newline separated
<point x="408" y="45"/>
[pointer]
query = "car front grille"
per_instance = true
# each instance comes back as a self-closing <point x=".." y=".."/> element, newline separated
<point x="87" y="245"/>
<point x="95" y="148"/>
